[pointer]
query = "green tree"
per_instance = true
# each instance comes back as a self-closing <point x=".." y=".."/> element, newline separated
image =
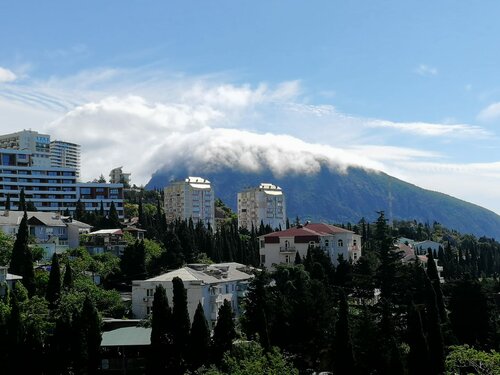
<point x="182" y="324"/>
<point x="113" y="219"/>
<point x="418" y="356"/>
<point x="15" y="337"/>
<point x="22" y="258"/>
<point x="199" y="340"/>
<point x="224" y="332"/>
<point x="434" y="335"/>
<point x="54" y="285"/>
<point x="161" y="332"/>
<point x="88" y="326"/>
<point x="464" y="359"/>
<point x="21" y="206"/>
<point x="68" y="277"/>
<point x="7" y="203"/>
<point x="343" y="361"/>
<point x="79" y="210"/>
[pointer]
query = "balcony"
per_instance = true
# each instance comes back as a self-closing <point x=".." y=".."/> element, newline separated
<point x="287" y="249"/>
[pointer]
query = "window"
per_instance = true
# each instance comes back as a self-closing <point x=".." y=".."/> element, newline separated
<point x="353" y="242"/>
<point x="340" y="243"/>
<point x="287" y="244"/>
<point x="262" y="244"/>
<point x="262" y="259"/>
<point x="85" y="191"/>
<point x="148" y="310"/>
<point x="150" y="292"/>
<point x="327" y="243"/>
<point x="287" y="258"/>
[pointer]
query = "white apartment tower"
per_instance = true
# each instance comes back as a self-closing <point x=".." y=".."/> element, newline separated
<point x="65" y="154"/>
<point x="265" y="204"/>
<point x="117" y="176"/>
<point x="192" y="198"/>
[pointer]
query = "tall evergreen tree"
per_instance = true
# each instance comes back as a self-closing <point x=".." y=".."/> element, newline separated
<point x="88" y="327"/>
<point x="22" y="258"/>
<point x="343" y="361"/>
<point x="418" y="357"/>
<point x="434" y="336"/>
<point x="7" y="203"/>
<point x="113" y="219"/>
<point x="433" y="275"/>
<point x="161" y="332"/>
<point x="68" y="277"/>
<point x="182" y="324"/>
<point x="21" y="206"/>
<point x="15" y="337"/>
<point x="224" y="332"/>
<point x="199" y="340"/>
<point x="79" y="210"/>
<point x="54" y="285"/>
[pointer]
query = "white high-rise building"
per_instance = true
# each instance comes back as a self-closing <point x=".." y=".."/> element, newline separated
<point x="29" y="140"/>
<point x="265" y="204"/>
<point x="117" y="176"/>
<point x="192" y="198"/>
<point x="65" y="154"/>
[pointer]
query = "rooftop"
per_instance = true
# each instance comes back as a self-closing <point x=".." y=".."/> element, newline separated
<point x="127" y="336"/>
<point x="310" y="229"/>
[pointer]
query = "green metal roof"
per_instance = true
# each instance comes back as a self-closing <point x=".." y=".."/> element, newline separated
<point x="128" y="336"/>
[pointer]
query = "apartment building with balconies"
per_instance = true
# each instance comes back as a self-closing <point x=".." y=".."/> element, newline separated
<point x="281" y="247"/>
<point x="192" y="198"/>
<point x="65" y="154"/>
<point x="263" y="204"/>
<point x="208" y="284"/>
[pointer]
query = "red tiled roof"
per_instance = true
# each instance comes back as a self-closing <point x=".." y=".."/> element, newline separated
<point x="312" y="229"/>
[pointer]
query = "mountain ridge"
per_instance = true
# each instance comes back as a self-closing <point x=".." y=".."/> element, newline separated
<point x="336" y="196"/>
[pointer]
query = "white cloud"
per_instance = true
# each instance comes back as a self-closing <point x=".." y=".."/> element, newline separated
<point x="492" y="112"/>
<point x="7" y="75"/>
<point x="426" y="70"/>
<point x="433" y="130"/>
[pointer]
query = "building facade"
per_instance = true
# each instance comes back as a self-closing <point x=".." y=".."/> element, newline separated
<point x="65" y="154"/>
<point x="208" y="284"/>
<point x="28" y="140"/>
<point x="117" y="176"/>
<point x="281" y="247"/>
<point x="51" y="189"/>
<point x="192" y="198"/>
<point x="264" y="204"/>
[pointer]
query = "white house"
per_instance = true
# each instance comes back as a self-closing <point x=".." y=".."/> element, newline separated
<point x="282" y="246"/>
<point x="208" y="284"/>
<point x="53" y="232"/>
<point x="7" y="280"/>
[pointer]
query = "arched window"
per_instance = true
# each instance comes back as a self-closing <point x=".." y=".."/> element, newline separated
<point x="340" y="243"/>
<point x="287" y="244"/>
<point x="327" y="243"/>
<point x="354" y="242"/>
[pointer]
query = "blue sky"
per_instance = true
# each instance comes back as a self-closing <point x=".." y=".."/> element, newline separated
<point x="411" y="88"/>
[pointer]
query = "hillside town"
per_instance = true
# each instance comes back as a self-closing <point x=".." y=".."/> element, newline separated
<point x="107" y="277"/>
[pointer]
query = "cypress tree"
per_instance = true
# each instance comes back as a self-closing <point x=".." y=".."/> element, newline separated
<point x="161" y="332"/>
<point x="343" y="361"/>
<point x="418" y="357"/>
<point x="199" y="340"/>
<point x="101" y="210"/>
<point x="224" y="332"/>
<point x="79" y="210"/>
<point x="15" y="337"/>
<point x="22" y="258"/>
<point x="433" y="275"/>
<point x="434" y="336"/>
<point x="22" y="201"/>
<point x="7" y="203"/>
<point x="54" y="285"/>
<point x="182" y="324"/>
<point x="68" y="277"/>
<point x="113" y="219"/>
<point x="88" y="326"/>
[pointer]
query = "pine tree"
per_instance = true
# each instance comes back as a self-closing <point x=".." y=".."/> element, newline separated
<point x="298" y="259"/>
<point x="161" y="332"/>
<point x="433" y="275"/>
<point x="343" y="355"/>
<point x="224" y="332"/>
<point x="199" y="340"/>
<point x="54" y="285"/>
<point x="22" y="258"/>
<point x="182" y="324"/>
<point x="434" y="336"/>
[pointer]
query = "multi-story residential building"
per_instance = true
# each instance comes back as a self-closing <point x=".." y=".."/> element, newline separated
<point x="264" y="204"/>
<point x="208" y="284"/>
<point x="117" y="176"/>
<point x="29" y="140"/>
<point x="282" y="246"/>
<point x="106" y="240"/>
<point x="53" y="189"/>
<point x="7" y="280"/>
<point x="65" y="154"/>
<point x="51" y="231"/>
<point x="192" y="198"/>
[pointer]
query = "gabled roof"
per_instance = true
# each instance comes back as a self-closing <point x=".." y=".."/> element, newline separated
<point x="208" y="274"/>
<point x="310" y="229"/>
<point x="49" y="219"/>
<point x="106" y="231"/>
